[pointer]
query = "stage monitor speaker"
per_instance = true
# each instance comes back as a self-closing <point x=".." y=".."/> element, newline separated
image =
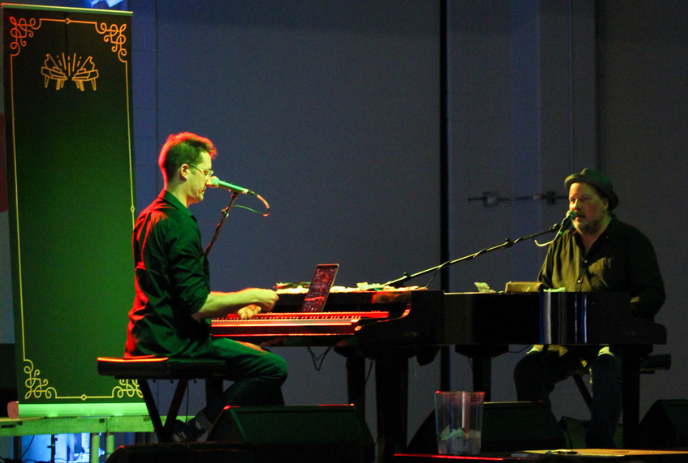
<point x="507" y="427"/>
<point x="665" y="425"/>
<point x="304" y="434"/>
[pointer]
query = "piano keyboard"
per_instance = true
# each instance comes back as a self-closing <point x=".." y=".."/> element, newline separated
<point x="293" y="324"/>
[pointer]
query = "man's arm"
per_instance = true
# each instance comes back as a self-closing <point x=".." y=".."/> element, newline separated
<point x="647" y="286"/>
<point x="545" y="275"/>
<point x="220" y="304"/>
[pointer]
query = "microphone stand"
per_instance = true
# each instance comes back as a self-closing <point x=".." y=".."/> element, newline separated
<point x="225" y="213"/>
<point x="507" y="244"/>
<point x="482" y="365"/>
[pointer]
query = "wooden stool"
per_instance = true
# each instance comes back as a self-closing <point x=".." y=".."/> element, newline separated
<point x="648" y="365"/>
<point x="633" y="365"/>
<point x="145" y="368"/>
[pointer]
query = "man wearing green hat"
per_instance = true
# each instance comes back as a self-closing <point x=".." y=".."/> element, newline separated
<point x="600" y="253"/>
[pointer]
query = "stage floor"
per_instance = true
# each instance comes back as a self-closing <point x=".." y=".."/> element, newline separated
<point x="562" y="456"/>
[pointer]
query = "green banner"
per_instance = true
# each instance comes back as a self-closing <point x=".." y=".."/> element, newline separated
<point x="71" y="200"/>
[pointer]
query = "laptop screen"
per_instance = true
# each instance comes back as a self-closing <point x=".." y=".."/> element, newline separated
<point x="322" y="281"/>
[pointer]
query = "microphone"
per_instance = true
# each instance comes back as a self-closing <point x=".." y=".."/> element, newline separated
<point x="570" y="215"/>
<point x="214" y="182"/>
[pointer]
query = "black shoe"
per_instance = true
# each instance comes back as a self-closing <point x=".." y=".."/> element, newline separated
<point x="187" y="432"/>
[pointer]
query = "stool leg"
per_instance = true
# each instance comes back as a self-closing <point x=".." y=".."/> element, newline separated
<point x="174" y="408"/>
<point x="152" y="409"/>
<point x="580" y="384"/>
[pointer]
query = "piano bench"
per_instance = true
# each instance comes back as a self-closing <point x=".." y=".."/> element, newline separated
<point x="145" y="368"/>
<point x="649" y="364"/>
<point x="652" y="363"/>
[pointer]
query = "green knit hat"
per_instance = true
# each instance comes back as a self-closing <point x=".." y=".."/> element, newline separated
<point x="599" y="181"/>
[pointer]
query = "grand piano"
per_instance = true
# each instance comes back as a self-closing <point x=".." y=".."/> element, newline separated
<point x="393" y="326"/>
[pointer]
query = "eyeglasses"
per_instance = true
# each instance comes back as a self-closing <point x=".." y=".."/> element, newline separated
<point x="207" y="173"/>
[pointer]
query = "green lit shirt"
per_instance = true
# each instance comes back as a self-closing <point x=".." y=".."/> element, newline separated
<point x="172" y="283"/>
<point x="622" y="259"/>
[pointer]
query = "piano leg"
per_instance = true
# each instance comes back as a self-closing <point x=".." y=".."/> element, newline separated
<point x="391" y="387"/>
<point x="481" y="360"/>
<point x="445" y="369"/>
<point x="482" y="376"/>
<point x="630" y="371"/>
<point x="355" y="379"/>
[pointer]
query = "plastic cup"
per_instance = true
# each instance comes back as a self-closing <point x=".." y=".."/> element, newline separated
<point x="459" y="418"/>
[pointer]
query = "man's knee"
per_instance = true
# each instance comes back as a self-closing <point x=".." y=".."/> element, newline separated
<point x="278" y="368"/>
<point x="529" y="367"/>
<point x="606" y="369"/>
<point x="609" y="362"/>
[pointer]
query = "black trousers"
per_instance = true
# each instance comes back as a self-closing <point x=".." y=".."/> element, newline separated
<point x="537" y="373"/>
<point x="257" y="378"/>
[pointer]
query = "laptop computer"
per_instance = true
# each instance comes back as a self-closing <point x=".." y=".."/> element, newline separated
<point x="287" y="323"/>
<point x="319" y="289"/>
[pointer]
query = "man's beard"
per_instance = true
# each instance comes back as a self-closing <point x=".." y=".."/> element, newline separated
<point x="589" y="227"/>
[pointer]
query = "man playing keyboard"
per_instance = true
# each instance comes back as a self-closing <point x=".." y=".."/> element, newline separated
<point x="173" y="296"/>
<point x="601" y="253"/>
